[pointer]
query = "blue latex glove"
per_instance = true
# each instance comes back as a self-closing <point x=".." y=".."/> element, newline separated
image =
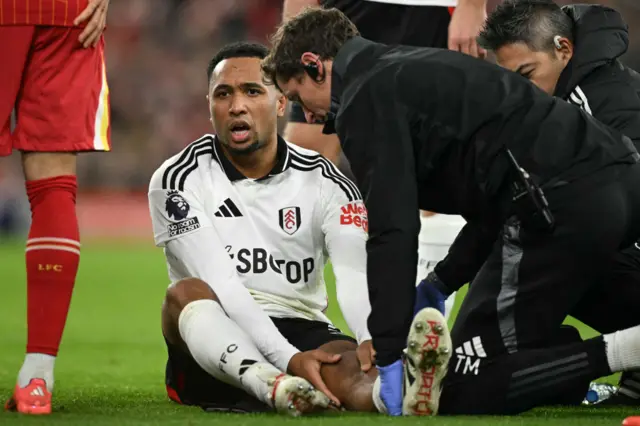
<point x="431" y="293"/>
<point x="391" y="387"/>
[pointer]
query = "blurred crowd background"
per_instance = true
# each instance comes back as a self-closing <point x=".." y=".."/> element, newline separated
<point x="157" y="54"/>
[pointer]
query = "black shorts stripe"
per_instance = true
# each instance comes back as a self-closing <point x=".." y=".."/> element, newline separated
<point x="329" y="171"/>
<point x="186" y="163"/>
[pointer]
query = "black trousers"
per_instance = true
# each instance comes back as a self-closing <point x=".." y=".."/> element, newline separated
<point x="511" y="351"/>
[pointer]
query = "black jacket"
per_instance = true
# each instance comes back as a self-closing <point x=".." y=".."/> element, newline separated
<point x="427" y="129"/>
<point x="594" y="79"/>
<point x="426" y="26"/>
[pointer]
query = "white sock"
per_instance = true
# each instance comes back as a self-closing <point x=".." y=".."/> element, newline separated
<point x="623" y="349"/>
<point x="224" y="350"/>
<point x="437" y="233"/>
<point x="377" y="400"/>
<point x="37" y="366"/>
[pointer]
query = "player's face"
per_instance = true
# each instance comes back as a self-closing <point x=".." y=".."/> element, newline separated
<point x="244" y="110"/>
<point x="541" y="67"/>
<point x="314" y="97"/>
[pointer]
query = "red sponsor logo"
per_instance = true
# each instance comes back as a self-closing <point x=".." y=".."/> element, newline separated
<point x="355" y="214"/>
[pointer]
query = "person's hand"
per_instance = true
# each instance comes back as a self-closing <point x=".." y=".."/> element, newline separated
<point x="391" y="387"/>
<point x="307" y="365"/>
<point x="466" y="23"/>
<point x="431" y="293"/>
<point x="96" y="14"/>
<point x="366" y="355"/>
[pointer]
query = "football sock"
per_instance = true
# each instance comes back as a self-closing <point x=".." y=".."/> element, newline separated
<point x="377" y="399"/>
<point x="52" y="258"/>
<point x="37" y="366"/>
<point x="224" y="350"/>
<point x="623" y="349"/>
<point x="437" y="233"/>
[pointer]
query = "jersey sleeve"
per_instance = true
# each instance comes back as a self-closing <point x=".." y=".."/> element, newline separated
<point x="345" y="225"/>
<point x="198" y="251"/>
<point x="174" y="213"/>
<point x="375" y="134"/>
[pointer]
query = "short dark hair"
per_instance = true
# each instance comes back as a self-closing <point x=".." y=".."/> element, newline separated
<point x="533" y="22"/>
<point x="321" y="31"/>
<point x="241" y="49"/>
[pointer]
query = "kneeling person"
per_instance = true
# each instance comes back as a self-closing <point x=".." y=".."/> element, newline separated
<point x="246" y="221"/>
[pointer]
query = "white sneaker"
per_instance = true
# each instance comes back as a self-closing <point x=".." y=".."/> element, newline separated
<point x="295" y="396"/>
<point x="425" y="363"/>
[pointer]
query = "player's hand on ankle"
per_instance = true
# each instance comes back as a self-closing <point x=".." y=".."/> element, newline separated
<point x="391" y="387"/>
<point x="431" y="293"/>
<point x="307" y="365"/>
<point x="366" y="355"/>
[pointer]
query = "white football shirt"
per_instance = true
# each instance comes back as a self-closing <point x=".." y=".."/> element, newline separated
<point x="270" y="236"/>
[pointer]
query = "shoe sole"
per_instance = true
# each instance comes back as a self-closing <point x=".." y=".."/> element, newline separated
<point x="24" y="408"/>
<point x="426" y="359"/>
<point x="295" y="396"/>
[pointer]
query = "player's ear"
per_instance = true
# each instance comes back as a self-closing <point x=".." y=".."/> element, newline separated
<point x="210" y="109"/>
<point x="281" y="104"/>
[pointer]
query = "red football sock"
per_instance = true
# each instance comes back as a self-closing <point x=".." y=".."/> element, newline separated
<point x="52" y="255"/>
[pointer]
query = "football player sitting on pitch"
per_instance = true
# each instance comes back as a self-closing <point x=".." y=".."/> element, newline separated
<point x="246" y="221"/>
<point x="572" y="53"/>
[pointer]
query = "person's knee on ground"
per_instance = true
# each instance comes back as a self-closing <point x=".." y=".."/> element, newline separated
<point x="346" y="380"/>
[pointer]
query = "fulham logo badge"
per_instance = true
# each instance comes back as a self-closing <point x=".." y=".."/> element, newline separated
<point x="289" y="218"/>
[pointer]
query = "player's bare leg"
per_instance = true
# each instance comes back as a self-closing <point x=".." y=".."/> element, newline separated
<point x="352" y="386"/>
<point x="193" y="319"/>
<point x="52" y="258"/>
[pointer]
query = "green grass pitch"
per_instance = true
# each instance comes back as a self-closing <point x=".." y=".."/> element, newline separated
<point x="111" y="364"/>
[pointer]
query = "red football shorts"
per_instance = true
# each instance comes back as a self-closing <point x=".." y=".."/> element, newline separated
<point x="57" y="88"/>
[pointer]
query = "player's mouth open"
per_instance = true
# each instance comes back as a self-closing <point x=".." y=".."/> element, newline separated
<point x="240" y="132"/>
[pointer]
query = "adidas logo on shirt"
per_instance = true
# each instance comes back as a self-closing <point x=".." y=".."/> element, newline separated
<point x="228" y="209"/>
<point x="469" y="356"/>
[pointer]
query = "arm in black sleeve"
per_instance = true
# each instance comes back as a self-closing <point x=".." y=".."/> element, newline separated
<point x="375" y="136"/>
<point x="468" y="253"/>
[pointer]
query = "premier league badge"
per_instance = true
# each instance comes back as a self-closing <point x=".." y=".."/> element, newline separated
<point x="176" y="206"/>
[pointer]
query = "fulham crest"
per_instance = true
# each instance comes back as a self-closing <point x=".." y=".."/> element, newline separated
<point x="289" y="218"/>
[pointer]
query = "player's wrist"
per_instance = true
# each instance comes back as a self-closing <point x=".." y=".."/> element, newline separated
<point x="389" y="350"/>
<point x="438" y="284"/>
